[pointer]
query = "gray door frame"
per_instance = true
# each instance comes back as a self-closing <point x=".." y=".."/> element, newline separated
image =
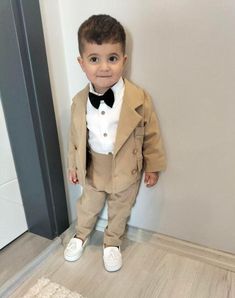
<point x="28" y="109"/>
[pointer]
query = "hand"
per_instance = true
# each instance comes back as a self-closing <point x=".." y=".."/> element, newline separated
<point x="73" y="177"/>
<point x="151" y="178"/>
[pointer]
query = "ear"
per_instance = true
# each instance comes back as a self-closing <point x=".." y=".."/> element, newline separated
<point x="81" y="62"/>
<point x="124" y="59"/>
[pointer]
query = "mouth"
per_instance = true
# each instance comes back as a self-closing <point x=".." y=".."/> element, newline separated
<point x="104" y="77"/>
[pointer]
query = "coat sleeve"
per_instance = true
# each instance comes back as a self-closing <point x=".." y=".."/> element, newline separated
<point x="71" y="142"/>
<point x="153" y="150"/>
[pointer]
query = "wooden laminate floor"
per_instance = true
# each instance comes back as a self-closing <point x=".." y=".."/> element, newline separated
<point x="19" y="253"/>
<point x="148" y="271"/>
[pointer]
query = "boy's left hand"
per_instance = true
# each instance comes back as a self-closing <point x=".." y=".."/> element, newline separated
<point x="151" y="178"/>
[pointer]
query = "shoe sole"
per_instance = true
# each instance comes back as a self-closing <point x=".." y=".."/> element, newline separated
<point x="112" y="268"/>
<point x="72" y="259"/>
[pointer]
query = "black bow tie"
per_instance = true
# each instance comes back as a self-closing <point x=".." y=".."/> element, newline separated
<point x="107" y="97"/>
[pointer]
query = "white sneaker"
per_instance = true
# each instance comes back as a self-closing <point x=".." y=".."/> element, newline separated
<point x="112" y="258"/>
<point x="74" y="249"/>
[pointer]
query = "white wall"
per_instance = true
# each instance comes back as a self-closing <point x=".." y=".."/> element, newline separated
<point x="182" y="52"/>
<point x="12" y="216"/>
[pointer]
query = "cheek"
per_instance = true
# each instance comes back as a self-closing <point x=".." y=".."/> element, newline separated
<point x="89" y="71"/>
<point x="90" y="76"/>
<point x="119" y="70"/>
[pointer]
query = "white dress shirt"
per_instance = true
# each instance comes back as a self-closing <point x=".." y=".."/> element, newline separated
<point x="102" y="123"/>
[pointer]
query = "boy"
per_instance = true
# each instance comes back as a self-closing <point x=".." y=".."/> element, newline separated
<point x="114" y="133"/>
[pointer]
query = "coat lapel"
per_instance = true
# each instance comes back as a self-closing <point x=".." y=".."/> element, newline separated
<point x="129" y="118"/>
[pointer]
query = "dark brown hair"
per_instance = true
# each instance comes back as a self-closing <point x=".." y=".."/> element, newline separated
<point x="100" y="29"/>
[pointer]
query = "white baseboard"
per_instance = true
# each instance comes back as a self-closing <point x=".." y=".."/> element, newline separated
<point x="180" y="247"/>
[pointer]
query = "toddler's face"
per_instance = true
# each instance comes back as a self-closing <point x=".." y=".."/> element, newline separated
<point x="103" y="64"/>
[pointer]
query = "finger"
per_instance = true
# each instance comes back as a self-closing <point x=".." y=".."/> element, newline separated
<point x="146" y="178"/>
<point x="148" y="182"/>
<point x="71" y="180"/>
<point x="152" y="181"/>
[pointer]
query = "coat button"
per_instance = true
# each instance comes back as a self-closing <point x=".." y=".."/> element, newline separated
<point x="135" y="151"/>
<point x="133" y="172"/>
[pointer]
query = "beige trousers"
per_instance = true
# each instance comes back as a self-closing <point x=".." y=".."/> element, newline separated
<point x="97" y="190"/>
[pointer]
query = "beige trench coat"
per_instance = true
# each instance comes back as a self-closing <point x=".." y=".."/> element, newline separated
<point x="138" y="140"/>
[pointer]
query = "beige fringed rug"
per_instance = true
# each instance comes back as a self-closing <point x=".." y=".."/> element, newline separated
<point x="44" y="288"/>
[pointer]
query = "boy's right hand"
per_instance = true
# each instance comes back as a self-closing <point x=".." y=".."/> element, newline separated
<point x="73" y="177"/>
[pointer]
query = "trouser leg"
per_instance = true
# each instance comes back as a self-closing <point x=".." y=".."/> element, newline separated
<point x="88" y="209"/>
<point x="119" y="210"/>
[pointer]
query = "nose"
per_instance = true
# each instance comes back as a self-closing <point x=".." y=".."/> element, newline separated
<point x="104" y="66"/>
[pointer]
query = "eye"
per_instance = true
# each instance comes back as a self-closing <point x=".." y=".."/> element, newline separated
<point x="94" y="59"/>
<point x="113" y="58"/>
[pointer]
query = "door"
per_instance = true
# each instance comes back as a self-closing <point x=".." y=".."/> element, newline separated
<point x="12" y="216"/>
<point x="30" y="120"/>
